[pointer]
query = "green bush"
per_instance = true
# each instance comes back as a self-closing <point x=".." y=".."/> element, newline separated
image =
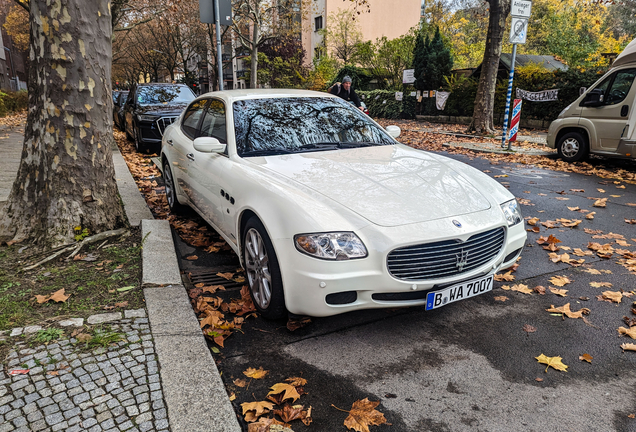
<point x="531" y="78"/>
<point x="13" y="101"/>
<point x="391" y="109"/>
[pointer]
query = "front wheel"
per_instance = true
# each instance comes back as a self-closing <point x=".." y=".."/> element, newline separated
<point x="573" y="147"/>
<point x="263" y="273"/>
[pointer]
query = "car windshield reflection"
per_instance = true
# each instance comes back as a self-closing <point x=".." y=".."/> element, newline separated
<point x="155" y="95"/>
<point x="293" y="125"/>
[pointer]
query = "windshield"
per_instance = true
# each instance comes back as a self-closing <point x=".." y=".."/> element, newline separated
<point x="290" y="125"/>
<point x="155" y="95"/>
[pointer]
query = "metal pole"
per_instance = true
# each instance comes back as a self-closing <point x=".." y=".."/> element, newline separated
<point x="512" y="74"/>
<point x="219" y="56"/>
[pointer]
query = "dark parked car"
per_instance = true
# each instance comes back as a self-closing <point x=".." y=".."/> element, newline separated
<point x="150" y="108"/>
<point x="118" y="106"/>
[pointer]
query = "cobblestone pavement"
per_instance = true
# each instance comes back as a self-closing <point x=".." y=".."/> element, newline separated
<point x="69" y="389"/>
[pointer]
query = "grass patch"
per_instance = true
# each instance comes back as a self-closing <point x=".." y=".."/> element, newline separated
<point x="92" y="281"/>
<point x="48" y="335"/>
<point x="99" y="337"/>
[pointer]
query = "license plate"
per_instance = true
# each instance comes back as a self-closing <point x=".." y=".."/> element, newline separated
<point x="458" y="292"/>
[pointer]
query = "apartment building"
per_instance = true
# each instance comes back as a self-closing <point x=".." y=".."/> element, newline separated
<point x="390" y="18"/>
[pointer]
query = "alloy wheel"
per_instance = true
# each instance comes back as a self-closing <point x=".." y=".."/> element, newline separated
<point x="257" y="268"/>
<point x="570" y="147"/>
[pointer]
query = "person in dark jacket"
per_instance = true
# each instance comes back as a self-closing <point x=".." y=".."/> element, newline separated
<point x="345" y="91"/>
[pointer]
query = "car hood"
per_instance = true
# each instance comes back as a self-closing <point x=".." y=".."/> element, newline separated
<point x="387" y="185"/>
<point x="167" y="109"/>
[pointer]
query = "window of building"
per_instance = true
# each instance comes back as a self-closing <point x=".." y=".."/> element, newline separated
<point x="318" y="22"/>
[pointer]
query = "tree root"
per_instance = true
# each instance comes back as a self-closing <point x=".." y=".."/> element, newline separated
<point x="76" y="247"/>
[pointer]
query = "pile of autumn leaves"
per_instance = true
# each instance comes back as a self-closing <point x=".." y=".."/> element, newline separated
<point x="575" y="258"/>
<point x="280" y="402"/>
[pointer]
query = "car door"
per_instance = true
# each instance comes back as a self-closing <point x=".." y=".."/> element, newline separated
<point x="207" y="169"/>
<point x="610" y="118"/>
<point x="179" y="145"/>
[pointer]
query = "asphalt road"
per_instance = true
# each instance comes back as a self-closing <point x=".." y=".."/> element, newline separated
<point x="469" y="365"/>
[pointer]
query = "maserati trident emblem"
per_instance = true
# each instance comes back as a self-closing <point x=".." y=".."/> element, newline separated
<point x="457" y="223"/>
<point x="462" y="259"/>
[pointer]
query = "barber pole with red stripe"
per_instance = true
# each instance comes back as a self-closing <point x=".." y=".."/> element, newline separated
<point x="514" y="123"/>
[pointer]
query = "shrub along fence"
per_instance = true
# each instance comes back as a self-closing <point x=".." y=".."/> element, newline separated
<point x="463" y="90"/>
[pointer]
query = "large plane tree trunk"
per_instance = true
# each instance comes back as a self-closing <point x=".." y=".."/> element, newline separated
<point x="66" y="177"/>
<point x="485" y="100"/>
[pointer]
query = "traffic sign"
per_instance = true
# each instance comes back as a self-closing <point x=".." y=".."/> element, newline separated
<point x="518" y="30"/>
<point x="521" y="8"/>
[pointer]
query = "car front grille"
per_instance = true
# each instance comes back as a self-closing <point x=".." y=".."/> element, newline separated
<point x="164" y="122"/>
<point x="445" y="258"/>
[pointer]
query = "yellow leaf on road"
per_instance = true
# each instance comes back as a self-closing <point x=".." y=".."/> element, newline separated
<point x="631" y="332"/>
<point x="615" y="296"/>
<point x="289" y="391"/>
<point x="559" y="280"/>
<point x="565" y="310"/>
<point x="255" y="373"/>
<point x="628" y="347"/>
<point x="554" y="362"/>
<point x="601" y="284"/>
<point x="559" y="292"/>
<point x="363" y="414"/>
<point x="586" y="357"/>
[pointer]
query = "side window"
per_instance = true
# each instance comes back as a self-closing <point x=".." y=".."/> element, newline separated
<point x="214" y="121"/>
<point x="191" y="118"/>
<point x="620" y="86"/>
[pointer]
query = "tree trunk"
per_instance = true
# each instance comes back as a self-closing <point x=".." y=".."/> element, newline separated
<point x="66" y="177"/>
<point x="485" y="99"/>
<point x="254" y="58"/>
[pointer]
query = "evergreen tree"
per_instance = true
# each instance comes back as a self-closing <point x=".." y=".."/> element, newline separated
<point x="439" y="62"/>
<point x="420" y="52"/>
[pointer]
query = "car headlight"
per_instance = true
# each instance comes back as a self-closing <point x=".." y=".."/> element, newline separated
<point x="336" y="246"/>
<point x="512" y="212"/>
<point x="146" y="118"/>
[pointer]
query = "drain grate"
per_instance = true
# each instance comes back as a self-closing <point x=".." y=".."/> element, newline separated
<point x="209" y="277"/>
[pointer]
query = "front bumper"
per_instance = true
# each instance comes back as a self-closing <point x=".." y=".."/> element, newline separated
<point x="322" y="288"/>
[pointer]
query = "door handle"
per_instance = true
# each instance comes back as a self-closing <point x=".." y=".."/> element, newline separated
<point x="190" y="156"/>
<point x="624" y="110"/>
<point x="170" y="142"/>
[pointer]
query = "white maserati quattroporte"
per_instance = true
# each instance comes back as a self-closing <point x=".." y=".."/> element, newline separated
<point x="328" y="212"/>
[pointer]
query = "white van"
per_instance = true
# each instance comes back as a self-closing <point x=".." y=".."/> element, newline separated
<point x="603" y="119"/>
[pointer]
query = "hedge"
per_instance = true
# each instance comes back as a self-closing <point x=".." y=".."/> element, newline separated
<point x="382" y="103"/>
<point x="463" y="90"/>
<point x="13" y="101"/>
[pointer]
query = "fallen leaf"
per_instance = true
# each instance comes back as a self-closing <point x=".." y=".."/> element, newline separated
<point x="529" y="329"/>
<point x="122" y="304"/>
<point x="521" y="288"/>
<point x="630" y="221"/>
<point x="227" y="276"/>
<point x="560" y="280"/>
<point x="259" y="408"/>
<point x="628" y="347"/>
<point x="601" y="202"/>
<point x="586" y="357"/>
<point x="592" y="271"/>
<point x="57" y="296"/>
<point x="614" y="296"/>
<point x="255" y="373"/>
<point x="554" y="362"/>
<point x="501" y="298"/>
<point x="631" y="332"/>
<point x="507" y="277"/>
<point x="539" y="289"/>
<point x="192" y="258"/>
<point x="294" y="324"/>
<point x="532" y="221"/>
<point x="538" y="379"/>
<point x="240" y="382"/>
<point x="574" y="208"/>
<point x="232" y="397"/>
<point x="565" y="310"/>
<point x="631" y="416"/>
<point x="601" y="284"/>
<point x="590" y="215"/>
<point x="296" y="381"/>
<point x="559" y="292"/>
<point x="287" y="390"/>
<point x="290" y="413"/>
<point x="363" y="414"/>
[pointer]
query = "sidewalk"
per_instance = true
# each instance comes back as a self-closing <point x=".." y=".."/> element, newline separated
<point x="160" y="377"/>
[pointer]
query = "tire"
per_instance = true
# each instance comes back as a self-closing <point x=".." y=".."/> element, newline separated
<point x="171" y="192"/>
<point x="573" y="147"/>
<point x="262" y="271"/>
<point x="139" y="146"/>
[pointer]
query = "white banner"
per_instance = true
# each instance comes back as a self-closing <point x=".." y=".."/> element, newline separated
<point x="541" y="96"/>
<point x="440" y="99"/>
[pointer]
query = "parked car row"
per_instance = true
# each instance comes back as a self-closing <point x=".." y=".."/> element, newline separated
<point x="146" y="110"/>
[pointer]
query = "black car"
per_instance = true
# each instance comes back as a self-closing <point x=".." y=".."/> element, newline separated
<point x="150" y="108"/>
<point x="118" y="106"/>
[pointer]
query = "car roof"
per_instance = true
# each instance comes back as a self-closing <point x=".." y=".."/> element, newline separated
<point x="241" y="94"/>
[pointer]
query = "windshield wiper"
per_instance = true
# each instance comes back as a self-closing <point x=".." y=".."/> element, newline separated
<point x="318" y="146"/>
<point x="266" y="152"/>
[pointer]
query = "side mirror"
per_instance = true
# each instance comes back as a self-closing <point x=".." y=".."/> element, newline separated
<point x="209" y="145"/>
<point x="594" y="98"/>
<point x="394" y="131"/>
